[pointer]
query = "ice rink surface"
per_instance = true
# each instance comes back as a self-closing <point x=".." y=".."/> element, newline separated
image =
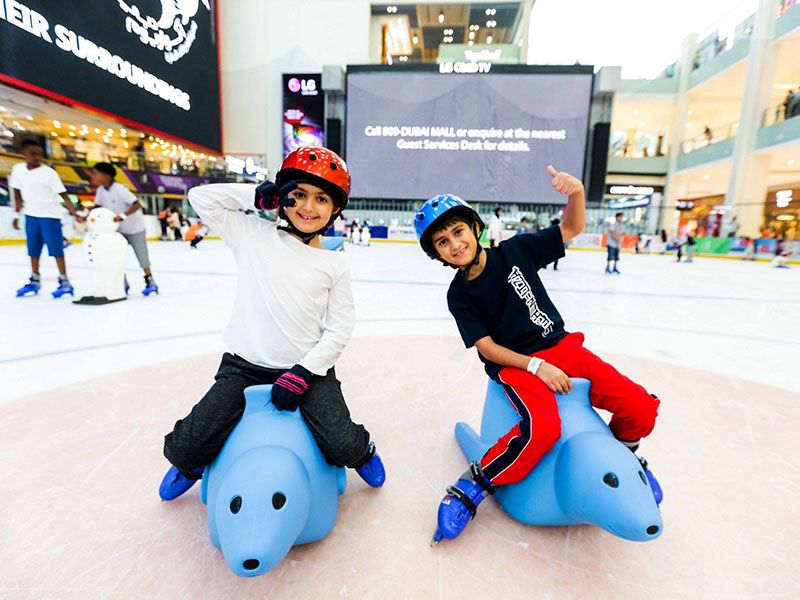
<point x="87" y="393"/>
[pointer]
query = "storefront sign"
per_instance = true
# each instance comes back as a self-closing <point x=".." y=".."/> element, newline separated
<point x="303" y="111"/>
<point x="629" y="202"/>
<point x="154" y="70"/>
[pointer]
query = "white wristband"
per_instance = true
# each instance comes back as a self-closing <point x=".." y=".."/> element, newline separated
<point x="534" y="364"/>
<point x="122" y="216"/>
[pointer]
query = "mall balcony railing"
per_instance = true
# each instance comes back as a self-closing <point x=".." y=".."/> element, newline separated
<point x="713" y="135"/>
<point x="143" y="161"/>
<point x="784" y="111"/>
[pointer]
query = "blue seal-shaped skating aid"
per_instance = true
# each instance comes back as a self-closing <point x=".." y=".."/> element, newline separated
<point x="587" y="477"/>
<point x="269" y="488"/>
<point x="333" y="243"/>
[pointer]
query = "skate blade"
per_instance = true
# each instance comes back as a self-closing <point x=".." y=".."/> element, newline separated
<point x="437" y="537"/>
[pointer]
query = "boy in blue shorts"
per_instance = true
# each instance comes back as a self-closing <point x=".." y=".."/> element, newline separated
<point x="38" y="187"/>
<point x="502" y="308"/>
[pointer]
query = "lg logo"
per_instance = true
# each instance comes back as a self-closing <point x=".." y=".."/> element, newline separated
<point x="307" y="87"/>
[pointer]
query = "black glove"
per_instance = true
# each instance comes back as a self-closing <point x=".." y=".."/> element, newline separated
<point x="269" y="196"/>
<point x="287" y="391"/>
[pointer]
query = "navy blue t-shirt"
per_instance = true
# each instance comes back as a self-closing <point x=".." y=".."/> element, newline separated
<point x="507" y="301"/>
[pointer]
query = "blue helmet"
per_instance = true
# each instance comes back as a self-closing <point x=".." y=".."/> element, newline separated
<point x="437" y="209"/>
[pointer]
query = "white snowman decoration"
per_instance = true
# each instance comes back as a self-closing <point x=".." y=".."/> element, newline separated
<point x="106" y="253"/>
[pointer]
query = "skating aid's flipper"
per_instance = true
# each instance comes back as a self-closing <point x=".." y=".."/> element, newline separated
<point x="471" y="443"/>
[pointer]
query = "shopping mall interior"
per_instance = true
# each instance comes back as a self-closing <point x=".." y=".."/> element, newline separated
<point x="161" y="125"/>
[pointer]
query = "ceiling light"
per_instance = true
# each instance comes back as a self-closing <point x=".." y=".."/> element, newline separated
<point x="790" y="162"/>
<point x="636" y="111"/>
<point x="56" y="124"/>
<point x="106" y="140"/>
<point x="3" y="109"/>
<point x="141" y="135"/>
<point x="96" y="130"/>
<point x="125" y="144"/>
<point x="72" y="127"/>
<point x="689" y="113"/>
<point x="472" y="35"/>
<point x="53" y="133"/>
<point x="706" y="176"/>
<point x="17" y="124"/>
<point x="488" y="39"/>
<point x="415" y="39"/>
<point x="441" y="17"/>
<point x="642" y="123"/>
<point x="72" y="133"/>
<point x="30" y="118"/>
<point x="488" y="11"/>
<point x="689" y="124"/>
<point x="469" y="43"/>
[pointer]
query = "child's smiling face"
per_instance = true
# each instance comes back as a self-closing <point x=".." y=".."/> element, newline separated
<point x="456" y="244"/>
<point x="312" y="210"/>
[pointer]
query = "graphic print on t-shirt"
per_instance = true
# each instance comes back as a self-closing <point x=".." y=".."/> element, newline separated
<point x="523" y="289"/>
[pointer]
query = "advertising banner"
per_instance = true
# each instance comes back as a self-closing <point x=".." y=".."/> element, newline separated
<point x="303" y="111"/>
<point x="152" y="64"/>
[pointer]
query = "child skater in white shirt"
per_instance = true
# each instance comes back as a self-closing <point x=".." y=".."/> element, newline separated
<point x="293" y="315"/>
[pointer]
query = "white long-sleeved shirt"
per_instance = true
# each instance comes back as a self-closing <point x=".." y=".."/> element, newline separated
<point x="293" y="302"/>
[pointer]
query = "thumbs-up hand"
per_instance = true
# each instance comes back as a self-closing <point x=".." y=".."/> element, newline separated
<point x="564" y="182"/>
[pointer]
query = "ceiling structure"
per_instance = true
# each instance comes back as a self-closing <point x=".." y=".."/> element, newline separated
<point x="414" y="32"/>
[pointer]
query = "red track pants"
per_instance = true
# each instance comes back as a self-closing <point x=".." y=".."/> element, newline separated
<point x="516" y="453"/>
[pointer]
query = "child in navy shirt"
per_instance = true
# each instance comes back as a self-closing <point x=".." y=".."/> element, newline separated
<point x="502" y="308"/>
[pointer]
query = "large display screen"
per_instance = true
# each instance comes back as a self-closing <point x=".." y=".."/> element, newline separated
<point x="412" y="134"/>
<point x="150" y="63"/>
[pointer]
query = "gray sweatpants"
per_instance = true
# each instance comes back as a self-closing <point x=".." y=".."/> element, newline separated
<point x="198" y="438"/>
<point x="139" y="243"/>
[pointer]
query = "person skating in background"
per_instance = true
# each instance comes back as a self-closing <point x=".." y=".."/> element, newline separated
<point x="615" y="232"/>
<point x="174" y="221"/>
<point x="495" y="230"/>
<point x="39" y="190"/>
<point x="690" y="245"/>
<point x="524" y="226"/>
<point x="749" y="249"/>
<point x="502" y="309"/>
<point x="123" y="203"/>
<point x="292" y="316"/>
<point x="663" y="242"/>
<point x="162" y="220"/>
<point x="555" y="221"/>
<point x="196" y="233"/>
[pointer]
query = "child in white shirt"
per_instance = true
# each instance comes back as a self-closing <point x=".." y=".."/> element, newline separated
<point x="292" y="316"/>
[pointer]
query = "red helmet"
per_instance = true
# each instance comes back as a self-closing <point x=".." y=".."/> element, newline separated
<point x="318" y="166"/>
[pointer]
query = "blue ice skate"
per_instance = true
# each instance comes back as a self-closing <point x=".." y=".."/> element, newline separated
<point x="176" y="483"/>
<point x="370" y="467"/>
<point x="608" y="270"/>
<point x="150" y="286"/>
<point x="31" y="286"/>
<point x="651" y="479"/>
<point x="458" y="507"/>
<point x="615" y="271"/>
<point x="64" y="287"/>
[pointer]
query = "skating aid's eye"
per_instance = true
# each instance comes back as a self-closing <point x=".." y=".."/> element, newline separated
<point x="312" y="157"/>
<point x="333" y="167"/>
<point x="278" y="500"/>
<point x="611" y="480"/>
<point x="236" y="504"/>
